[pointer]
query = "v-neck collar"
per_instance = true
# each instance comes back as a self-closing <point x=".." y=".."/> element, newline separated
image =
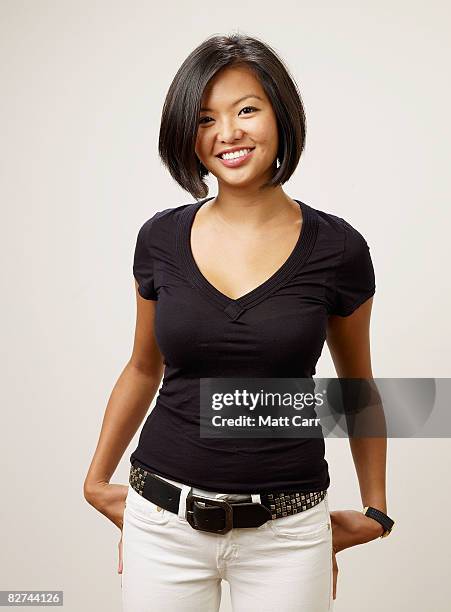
<point x="234" y="307"/>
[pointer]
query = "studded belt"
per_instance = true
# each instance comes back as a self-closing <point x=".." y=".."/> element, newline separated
<point x="218" y="515"/>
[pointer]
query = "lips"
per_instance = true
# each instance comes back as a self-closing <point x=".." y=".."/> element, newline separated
<point x="235" y="162"/>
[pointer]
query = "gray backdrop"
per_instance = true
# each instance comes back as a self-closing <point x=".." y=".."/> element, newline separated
<point x="82" y="87"/>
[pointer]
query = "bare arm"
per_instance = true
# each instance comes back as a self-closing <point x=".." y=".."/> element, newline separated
<point x="349" y="344"/>
<point x="128" y="404"/>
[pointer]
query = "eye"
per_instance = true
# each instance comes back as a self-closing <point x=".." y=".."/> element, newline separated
<point x="251" y="107"/>
<point x="205" y="118"/>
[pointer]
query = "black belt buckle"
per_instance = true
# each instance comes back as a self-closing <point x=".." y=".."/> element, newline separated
<point x="190" y="512"/>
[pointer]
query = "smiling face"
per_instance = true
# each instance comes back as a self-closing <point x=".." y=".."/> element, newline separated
<point x="237" y="114"/>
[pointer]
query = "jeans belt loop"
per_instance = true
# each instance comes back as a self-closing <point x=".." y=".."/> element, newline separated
<point x="186" y="490"/>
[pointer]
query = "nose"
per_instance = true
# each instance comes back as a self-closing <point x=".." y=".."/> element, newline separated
<point x="228" y="132"/>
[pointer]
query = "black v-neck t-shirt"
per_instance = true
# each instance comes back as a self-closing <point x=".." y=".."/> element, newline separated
<point x="277" y="330"/>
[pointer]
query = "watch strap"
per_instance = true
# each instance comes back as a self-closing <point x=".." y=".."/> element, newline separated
<point x="379" y="516"/>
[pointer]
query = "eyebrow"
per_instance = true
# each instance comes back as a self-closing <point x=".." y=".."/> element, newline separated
<point x="236" y="101"/>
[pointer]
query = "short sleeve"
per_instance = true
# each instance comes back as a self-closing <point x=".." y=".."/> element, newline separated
<point x="143" y="269"/>
<point x="354" y="280"/>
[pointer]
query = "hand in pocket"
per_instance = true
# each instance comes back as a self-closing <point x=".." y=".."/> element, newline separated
<point x="350" y="528"/>
<point x="109" y="499"/>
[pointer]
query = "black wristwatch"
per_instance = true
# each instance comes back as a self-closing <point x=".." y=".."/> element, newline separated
<point x="379" y="516"/>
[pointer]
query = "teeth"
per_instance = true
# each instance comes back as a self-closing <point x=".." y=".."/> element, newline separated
<point x="236" y="154"/>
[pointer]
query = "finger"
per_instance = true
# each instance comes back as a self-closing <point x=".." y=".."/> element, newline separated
<point x="335" y="576"/>
<point x="120" y="566"/>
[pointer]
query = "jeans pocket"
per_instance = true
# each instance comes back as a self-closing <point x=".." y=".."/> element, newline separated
<point x="304" y="524"/>
<point x="144" y="510"/>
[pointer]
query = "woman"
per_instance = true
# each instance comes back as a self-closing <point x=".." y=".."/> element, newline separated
<point x="245" y="284"/>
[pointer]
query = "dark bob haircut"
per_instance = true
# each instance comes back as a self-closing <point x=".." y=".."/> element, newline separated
<point x="181" y="110"/>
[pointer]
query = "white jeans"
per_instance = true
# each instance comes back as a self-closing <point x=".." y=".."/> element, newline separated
<point x="285" y="565"/>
